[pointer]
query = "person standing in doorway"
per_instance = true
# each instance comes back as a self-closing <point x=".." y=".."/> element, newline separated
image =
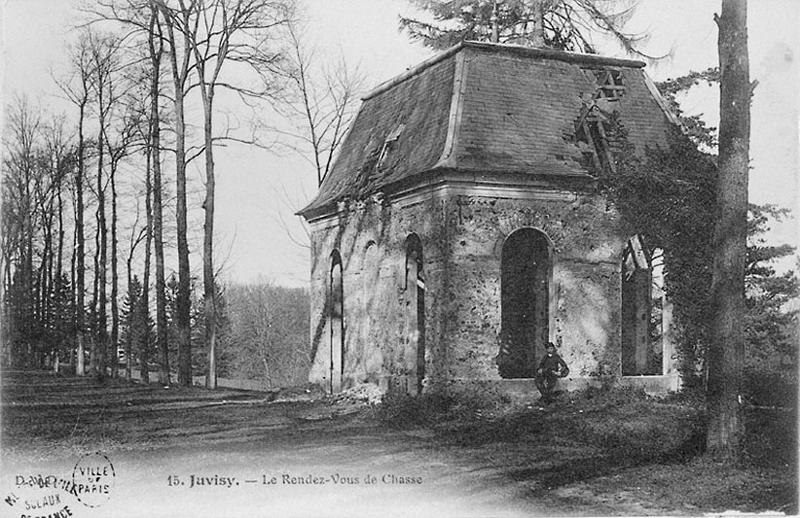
<point x="550" y="368"/>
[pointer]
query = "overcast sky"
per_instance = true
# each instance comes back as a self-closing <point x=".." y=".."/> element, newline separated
<point x="259" y="190"/>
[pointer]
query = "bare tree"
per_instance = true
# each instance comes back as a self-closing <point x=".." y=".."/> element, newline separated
<point x="141" y="18"/>
<point x="321" y="102"/>
<point x="199" y="36"/>
<point x="180" y="65"/>
<point x="52" y="164"/>
<point x="220" y="32"/>
<point x="77" y="87"/>
<point x="117" y="151"/>
<point x="155" y="48"/>
<point x="137" y="235"/>
<point x="157" y="20"/>
<point x="104" y="55"/>
<point x="726" y="350"/>
<point x="43" y="213"/>
<point x="144" y="299"/>
<point x="268" y="333"/>
<point x="60" y="153"/>
<point x="19" y="207"/>
<point x="36" y="159"/>
<point x="141" y="103"/>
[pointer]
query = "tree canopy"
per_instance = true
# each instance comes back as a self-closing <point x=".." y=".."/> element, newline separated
<point x="559" y="24"/>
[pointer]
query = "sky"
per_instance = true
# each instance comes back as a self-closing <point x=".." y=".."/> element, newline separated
<point x="258" y="190"/>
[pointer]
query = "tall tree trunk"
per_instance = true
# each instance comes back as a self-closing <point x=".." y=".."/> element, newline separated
<point x="133" y="309"/>
<point x="47" y="281"/>
<point x="726" y="350"/>
<point x="182" y="302"/>
<point x="73" y="354"/>
<point x="43" y="294"/>
<point x="209" y="286"/>
<point x="80" y="368"/>
<point x="95" y="293"/>
<point x="158" y="210"/>
<point x="60" y="243"/>
<point x="180" y="71"/>
<point x="158" y="239"/>
<point x="63" y="310"/>
<point x="29" y="306"/>
<point x="102" y="261"/>
<point x="114" y="276"/>
<point x="94" y="357"/>
<point x="144" y="300"/>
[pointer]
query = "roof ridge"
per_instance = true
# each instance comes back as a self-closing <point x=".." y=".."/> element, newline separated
<point x="559" y="55"/>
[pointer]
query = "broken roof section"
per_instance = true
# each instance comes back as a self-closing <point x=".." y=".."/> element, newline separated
<point x="479" y="110"/>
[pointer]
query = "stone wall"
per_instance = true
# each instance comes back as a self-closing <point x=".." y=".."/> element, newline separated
<point x="584" y="290"/>
<point x="371" y="238"/>
<point x="462" y="234"/>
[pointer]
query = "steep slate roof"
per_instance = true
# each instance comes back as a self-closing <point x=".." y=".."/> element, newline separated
<point x="481" y="109"/>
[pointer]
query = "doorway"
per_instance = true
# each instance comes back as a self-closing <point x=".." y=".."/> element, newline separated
<point x="336" y="321"/>
<point x="415" y="313"/>
<point x="525" y="276"/>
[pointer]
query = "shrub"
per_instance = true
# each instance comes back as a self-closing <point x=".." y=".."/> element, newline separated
<point x="764" y="387"/>
<point x="610" y="394"/>
<point x="431" y="408"/>
<point x="402" y="410"/>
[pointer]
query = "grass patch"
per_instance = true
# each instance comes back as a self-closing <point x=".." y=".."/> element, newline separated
<point x="607" y="440"/>
<point x="435" y="409"/>
<point x="404" y="411"/>
<point x="589" y="448"/>
<point x="703" y="484"/>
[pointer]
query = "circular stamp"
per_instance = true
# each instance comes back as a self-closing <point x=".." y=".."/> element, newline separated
<point x="93" y="479"/>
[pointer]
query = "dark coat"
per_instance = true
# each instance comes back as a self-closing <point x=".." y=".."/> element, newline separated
<point x="554" y="365"/>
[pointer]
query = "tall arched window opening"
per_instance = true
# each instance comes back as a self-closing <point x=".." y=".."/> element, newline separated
<point x="415" y="313"/>
<point x="525" y="275"/>
<point x="642" y="309"/>
<point x="336" y="322"/>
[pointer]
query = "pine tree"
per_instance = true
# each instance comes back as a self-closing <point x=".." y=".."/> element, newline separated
<point x="768" y="326"/>
<point x="62" y="311"/>
<point x="137" y="324"/>
<point x="172" y="294"/>
<point x="557" y="24"/>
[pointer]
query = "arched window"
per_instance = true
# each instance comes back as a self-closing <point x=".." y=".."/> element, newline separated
<point x="336" y="321"/>
<point x="415" y="312"/>
<point x="525" y="274"/>
<point x="641" y="315"/>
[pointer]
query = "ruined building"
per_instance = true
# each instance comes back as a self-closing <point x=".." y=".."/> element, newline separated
<point x="460" y="228"/>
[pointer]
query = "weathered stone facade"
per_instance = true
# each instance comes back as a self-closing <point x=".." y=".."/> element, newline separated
<point x="449" y="244"/>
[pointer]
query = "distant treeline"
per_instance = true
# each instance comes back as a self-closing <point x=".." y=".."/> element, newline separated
<point x="265" y="334"/>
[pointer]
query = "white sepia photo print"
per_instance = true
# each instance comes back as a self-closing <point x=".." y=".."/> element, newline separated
<point x="389" y="258"/>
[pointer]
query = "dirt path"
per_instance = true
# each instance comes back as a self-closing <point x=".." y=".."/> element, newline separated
<point x="296" y="458"/>
<point x="193" y="452"/>
<point x="303" y="478"/>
